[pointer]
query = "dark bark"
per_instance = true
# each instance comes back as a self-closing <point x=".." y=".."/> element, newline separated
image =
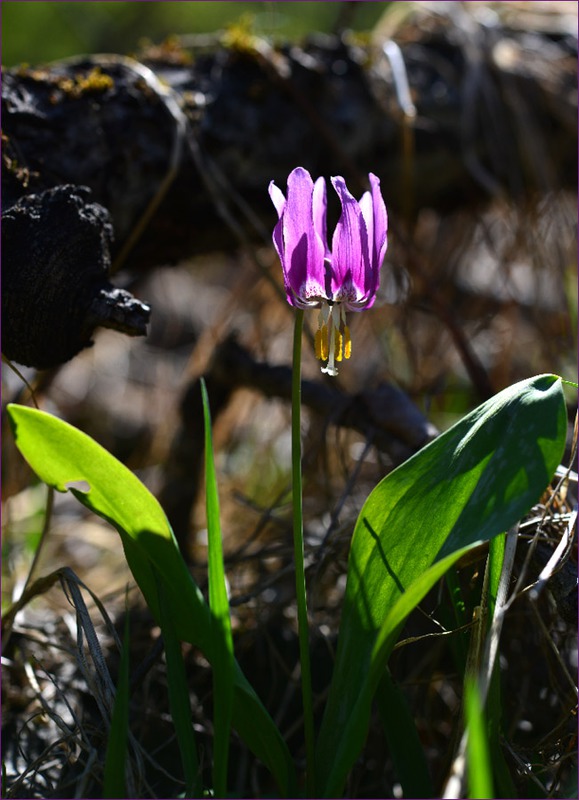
<point x="180" y="148"/>
<point x="55" y="290"/>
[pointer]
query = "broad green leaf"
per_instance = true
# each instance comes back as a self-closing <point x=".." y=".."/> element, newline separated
<point x="219" y="603"/>
<point x="350" y="738"/>
<point x="61" y="455"/>
<point x="473" y="482"/>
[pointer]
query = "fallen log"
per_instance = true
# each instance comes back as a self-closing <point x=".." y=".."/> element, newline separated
<point x="178" y="147"/>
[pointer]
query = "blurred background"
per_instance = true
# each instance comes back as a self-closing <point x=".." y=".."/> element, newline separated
<point x="487" y="291"/>
<point x="117" y="27"/>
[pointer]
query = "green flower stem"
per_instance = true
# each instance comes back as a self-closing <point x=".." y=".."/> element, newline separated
<point x="298" y="526"/>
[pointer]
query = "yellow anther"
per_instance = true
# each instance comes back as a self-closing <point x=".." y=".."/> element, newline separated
<point x="347" y="342"/>
<point x="318" y="345"/>
<point x="321" y="343"/>
<point x="325" y="345"/>
<point x="338" y="346"/>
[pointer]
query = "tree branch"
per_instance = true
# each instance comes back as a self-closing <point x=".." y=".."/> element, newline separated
<point x="384" y="414"/>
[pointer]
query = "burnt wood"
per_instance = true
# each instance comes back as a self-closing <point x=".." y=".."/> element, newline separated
<point x="177" y="150"/>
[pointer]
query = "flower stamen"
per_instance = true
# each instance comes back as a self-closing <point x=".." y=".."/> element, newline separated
<point x="347" y="342"/>
<point x="330" y="336"/>
<point x="321" y="343"/>
<point x="339" y="346"/>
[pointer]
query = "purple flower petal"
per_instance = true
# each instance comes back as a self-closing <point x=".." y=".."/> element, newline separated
<point x="279" y="202"/>
<point x="297" y="238"/>
<point x="351" y="267"/>
<point x="277" y="198"/>
<point x="374" y="243"/>
<point x="380" y="233"/>
<point x="319" y="208"/>
<point x="313" y="274"/>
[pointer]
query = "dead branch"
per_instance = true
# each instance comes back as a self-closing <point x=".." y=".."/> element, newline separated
<point x="384" y="415"/>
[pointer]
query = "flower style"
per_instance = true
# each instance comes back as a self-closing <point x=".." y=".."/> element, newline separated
<point x="343" y="279"/>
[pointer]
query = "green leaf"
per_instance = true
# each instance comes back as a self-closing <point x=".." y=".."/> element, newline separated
<point x="473" y="482"/>
<point x="61" y="455"/>
<point x="223" y="668"/>
<point x="403" y="742"/>
<point x="179" y="701"/>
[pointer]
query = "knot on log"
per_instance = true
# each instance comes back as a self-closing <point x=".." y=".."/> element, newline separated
<point x="55" y="290"/>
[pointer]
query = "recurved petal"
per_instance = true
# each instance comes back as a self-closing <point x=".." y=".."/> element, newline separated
<point x="319" y="210"/>
<point x="351" y="268"/>
<point x="277" y="198"/>
<point x="380" y="232"/>
<point x="278" y="242"/>
<point x="303" y="260"/>
<point x="367" y="209"/>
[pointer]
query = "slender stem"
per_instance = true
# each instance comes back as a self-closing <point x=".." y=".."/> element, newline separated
<point x="298" y="526"/>
<point x="7" y="632"/>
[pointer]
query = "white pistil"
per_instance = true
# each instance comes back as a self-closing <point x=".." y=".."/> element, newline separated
<point x="333" y="315"/>
<point x="332" y="340"/>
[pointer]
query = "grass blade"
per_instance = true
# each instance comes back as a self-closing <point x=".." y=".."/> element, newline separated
<point x="179" y="701"/>
<point x="223" y="674"/>
<point x="494" y="707"/>
<point x="479" y="767"/>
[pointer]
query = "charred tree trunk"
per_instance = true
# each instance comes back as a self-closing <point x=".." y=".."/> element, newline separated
<point x="175" y="151"/>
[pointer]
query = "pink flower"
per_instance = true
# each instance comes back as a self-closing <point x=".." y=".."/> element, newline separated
<point x="343" y="279"/>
